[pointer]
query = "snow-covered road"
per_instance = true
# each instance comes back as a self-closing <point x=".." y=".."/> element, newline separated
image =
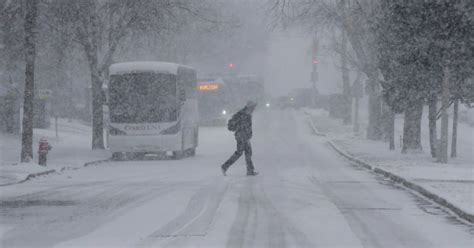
<point x="305" y="196"/>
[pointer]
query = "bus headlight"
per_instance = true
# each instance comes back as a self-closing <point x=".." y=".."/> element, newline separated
<point x="224" y="112"/>
<point x="173" y="129"/>
<point x="267" y="105"/>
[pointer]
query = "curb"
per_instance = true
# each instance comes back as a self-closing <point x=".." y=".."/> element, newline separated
<point x="97" y="162"/>
<point x="311" y="125"/>
<point x="43" y="173"/>
<point x="33" y="175"/>
<point x="30" y="176"/>
<point x="411" y="185"/>
<point x="395" y="178"/>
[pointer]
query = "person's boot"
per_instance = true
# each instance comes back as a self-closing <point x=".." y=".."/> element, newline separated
<point x="223" y="170"/>
<point x="252" y="173"/>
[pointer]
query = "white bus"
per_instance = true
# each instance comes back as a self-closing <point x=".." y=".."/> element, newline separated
<point x="152" y="109"/>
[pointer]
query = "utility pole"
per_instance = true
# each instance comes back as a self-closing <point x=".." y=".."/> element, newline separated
<point x="314" y="71"/>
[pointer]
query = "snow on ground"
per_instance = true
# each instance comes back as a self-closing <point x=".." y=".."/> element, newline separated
<point x="453" y="181"/>
<point x="71" y="149"/>
<point x="305" y="196"/>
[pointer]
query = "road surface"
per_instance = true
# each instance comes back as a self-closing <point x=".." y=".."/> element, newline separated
<point x="305" y="196"/>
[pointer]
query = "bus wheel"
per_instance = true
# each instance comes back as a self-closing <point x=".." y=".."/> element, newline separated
<point x="137" y="155"/>
<point x="116" y="156"/>
<point x="191" y="152"/>
<point x="177" y="155"/>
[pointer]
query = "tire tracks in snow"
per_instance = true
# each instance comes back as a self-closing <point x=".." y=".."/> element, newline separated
<point x="91" y="205"/>
<point x="256" y="213"/>
<point x="258" y="223"/>
<point x="247" y="204"/>
<point x="195" y="221"/>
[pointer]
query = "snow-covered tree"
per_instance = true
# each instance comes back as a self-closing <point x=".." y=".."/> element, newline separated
<point x="12" y="63"/>
<point x="418" y="42"/>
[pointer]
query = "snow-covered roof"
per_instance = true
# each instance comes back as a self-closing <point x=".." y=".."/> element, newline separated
<point x="143" y="66"/>
<point x="210" y="80"/>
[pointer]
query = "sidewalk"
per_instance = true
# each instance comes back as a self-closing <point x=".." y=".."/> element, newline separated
<point x="452" y="182"/>
<point x="72" y="149"/>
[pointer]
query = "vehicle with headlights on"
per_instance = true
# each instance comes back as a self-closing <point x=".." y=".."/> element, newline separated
<point x="213" y="102"/>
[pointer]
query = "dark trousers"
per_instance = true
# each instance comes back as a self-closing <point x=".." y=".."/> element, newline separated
<point x="243" y="146"/>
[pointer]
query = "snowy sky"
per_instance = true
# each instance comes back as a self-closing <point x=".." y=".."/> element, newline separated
<point x="288" y="65"/>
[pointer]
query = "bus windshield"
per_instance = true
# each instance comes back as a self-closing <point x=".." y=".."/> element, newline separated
<point x="143" y="98"/>
<point x="211" y="103"/>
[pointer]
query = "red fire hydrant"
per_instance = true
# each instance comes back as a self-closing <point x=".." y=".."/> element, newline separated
<point x="43" y="150"/>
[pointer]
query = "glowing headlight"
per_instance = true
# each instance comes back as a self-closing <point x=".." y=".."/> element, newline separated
<point x="268" y="105"/>
<point x="224" y="112"/>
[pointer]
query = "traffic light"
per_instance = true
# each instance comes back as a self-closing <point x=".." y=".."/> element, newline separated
<point x="314" y="72"/>
<point x="232" y="70"/>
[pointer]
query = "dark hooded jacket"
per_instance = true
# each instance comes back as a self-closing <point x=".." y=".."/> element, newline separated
<point x="244" y="125"/>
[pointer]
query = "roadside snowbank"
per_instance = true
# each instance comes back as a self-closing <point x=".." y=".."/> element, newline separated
<point x="453" y="181"/>
<point x="71" y="149"/>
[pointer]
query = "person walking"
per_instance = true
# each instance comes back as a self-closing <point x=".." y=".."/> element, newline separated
<point x="241" y="124"/>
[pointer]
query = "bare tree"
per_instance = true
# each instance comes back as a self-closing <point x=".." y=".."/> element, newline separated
<point x="432" y="111"/>
<point x="30" y="30"/>
<point x="442" y="151"/>
<point x="346" y="85"/>
<point x="454" y="136"/>
<point x="100" y="27"/>
<point x="355" y="19"/>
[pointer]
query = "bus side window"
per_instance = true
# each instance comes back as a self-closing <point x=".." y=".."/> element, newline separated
<point x="182" y="95"/>
<point x="181" y="85"/>
<point x="187" y="84"/>
<point x="189" y="80"/>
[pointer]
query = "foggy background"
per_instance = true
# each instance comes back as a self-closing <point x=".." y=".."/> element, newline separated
<point x="238" y="33"/>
